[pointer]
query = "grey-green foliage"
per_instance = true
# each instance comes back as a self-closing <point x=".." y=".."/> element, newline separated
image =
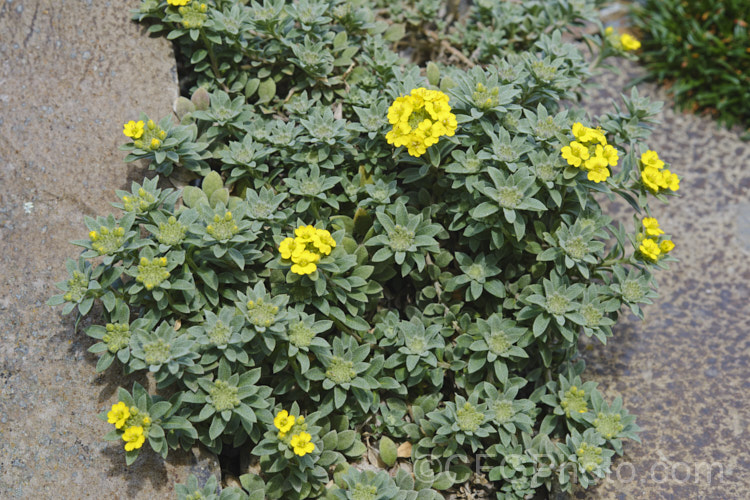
<point x="449" y="310"/>
<point x="486" y="29"/>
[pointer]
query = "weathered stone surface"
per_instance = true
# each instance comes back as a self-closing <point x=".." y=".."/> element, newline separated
<point x="71" y="73"/>
<point x="685" y="370"/>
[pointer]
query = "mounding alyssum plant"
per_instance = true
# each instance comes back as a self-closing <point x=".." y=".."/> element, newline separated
<point x="379" y="264"/>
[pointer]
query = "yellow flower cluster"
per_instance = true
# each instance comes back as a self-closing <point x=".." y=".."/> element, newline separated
<point x="654" y="176"/>
<point x="591" y="152"/>
<point x="145" y="136"/>
<point x="136" y="424"/>
<point x="625" y="42"/>
<point x="420" y="119"/>
<point x="306" y="248"/>
<point x="300" y="441"/>
<point x="629" y="42"/>
<point x="193" y="14"/>
<point x="650" y="247"/>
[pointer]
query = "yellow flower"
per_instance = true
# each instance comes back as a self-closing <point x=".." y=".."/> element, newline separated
<point x="596" y="162"/>
<point x="133" y="129"/>
<point x="651" y="159"/>
<point x="287" y="247"/>
<point x="610" y="154"/>
<point x="585" y="134"/>
<point x="118" y="414"/>
<point x="598" y="136"/>
<point x="580" y="132"/>
<point x="301" y="444"/>
<point x="304" y="262"/>
<point x="650" y="249"/>
<point x="629" y="42"/>
<point x="419" y="120"/>
<point x="283" y="422"/>
<point x="400" y="110"/>
<point x="598" y="174"/>
<point x="575" y="153"/>
<point x="304" y="234"/>
<point x="666" y="246"/>
<point x="671" y="180"/>
<point x="178" y="3"/>
<point x="133" y="437"/>
<point x="155" y="143"/>
<point x="652" y="178"/>
<point x="651" y="225"/>
<point x="323" y="241"/>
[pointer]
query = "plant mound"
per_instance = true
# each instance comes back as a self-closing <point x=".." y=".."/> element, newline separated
<point x="382" y="268"/>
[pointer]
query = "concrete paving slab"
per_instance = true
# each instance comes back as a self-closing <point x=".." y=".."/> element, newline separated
<point x="685" y="370"/>
<point x="71" y="73"/>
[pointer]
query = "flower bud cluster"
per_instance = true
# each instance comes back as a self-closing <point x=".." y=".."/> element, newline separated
<point x="106" y="241"/>
<point x="223" y="228"/>
<point x="152" y="272"/>
<point x="148" y="137"/>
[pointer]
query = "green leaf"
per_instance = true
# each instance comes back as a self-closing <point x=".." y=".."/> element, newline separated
<point x="109" y="301"/>
<point x="131" y="455"/>
<point x="443" y="481"/>
<point x="388" y="451"/>
<point x="395" y="32"/>
<point x="346" y="439"/>
<point x="484" y="209"/>
<point x="104" y="362"/>
<point x="237" y="257"/>
<point x="540" y="324"/>
<point x="357" y="450"/>
<point x="251" y="86"/>
<point x="477" y="362"/>
<point x="428" y="495"/>
<point x="193" y="196"/>
<point x="330" y="440"/>
<point x="219" y="196"/>
<point x="217" y="427"/>
<point x="266" y="91"/>
<point x="211" y="183"/>
<point x="158" y="410"/>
